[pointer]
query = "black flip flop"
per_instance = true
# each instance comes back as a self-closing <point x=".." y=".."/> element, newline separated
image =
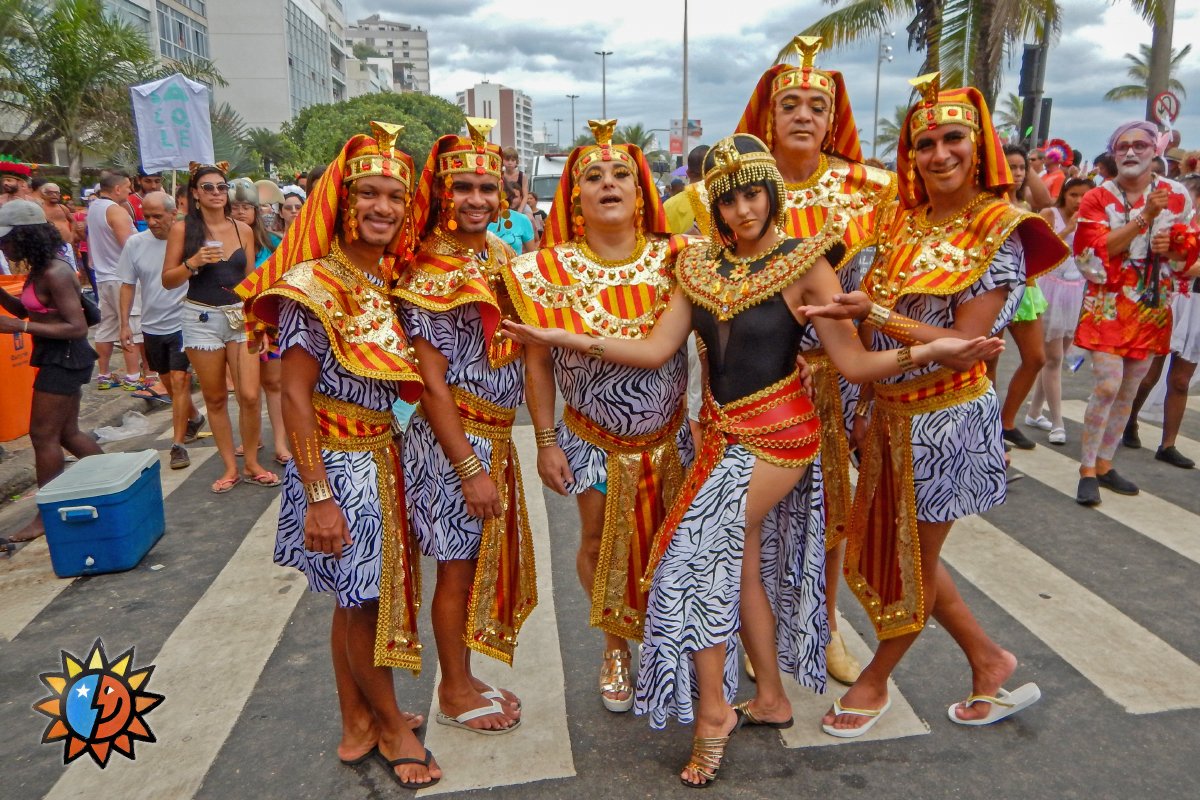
<point x="354" y="762"/>
<point x="399" y="762"/>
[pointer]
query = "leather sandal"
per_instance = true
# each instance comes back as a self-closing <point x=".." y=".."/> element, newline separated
<point x="615" y="679"/>
<point x="839" y="664"/>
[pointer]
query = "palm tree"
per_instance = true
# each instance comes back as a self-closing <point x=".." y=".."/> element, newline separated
<point x="964" y="39"/>
<point x="65" y="72"/>
<point x="1139" y="73"/>
<point x="889" y="131"/>
<point x="1009" y="111"/>
<point x="633" y="134"/>
<point x="268" y="147"/>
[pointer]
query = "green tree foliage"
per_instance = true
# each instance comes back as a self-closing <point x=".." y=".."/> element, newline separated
<point x="1139" y="74"/>
<point x="319" y="131"/>
<point x="1008" y="113"/>
<point x="889" y="131"/>
<point x="633" y="134"/>
<point x="966" y="40"/>
<point x="267" y="146"/>
<point x="65" y="71"/>
<point x="363" y="50"/>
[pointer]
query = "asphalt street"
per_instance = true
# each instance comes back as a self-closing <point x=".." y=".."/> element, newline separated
<point x="1101" y="606"/>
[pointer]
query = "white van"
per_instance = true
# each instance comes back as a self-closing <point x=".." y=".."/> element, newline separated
<point x="544" y="176"/>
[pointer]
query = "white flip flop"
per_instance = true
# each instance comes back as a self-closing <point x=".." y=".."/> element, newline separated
<point x="1004" y="704"/>
<point x="494" y="693"/>
<point x="475" y="713"/>
<point x="854" y="733"/>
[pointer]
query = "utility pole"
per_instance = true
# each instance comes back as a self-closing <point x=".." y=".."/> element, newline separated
<point x="558" y="132"/>
<point x="684" y="147"/>
<point x="574" y="133"/>
<point x="885" y="52"/>
<point x="604" y="54"/>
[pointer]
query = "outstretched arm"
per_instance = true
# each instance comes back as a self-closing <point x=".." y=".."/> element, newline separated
<point x="669" y="334"/>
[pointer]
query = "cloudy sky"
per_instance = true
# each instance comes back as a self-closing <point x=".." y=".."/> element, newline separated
<point x="545" y="49"/>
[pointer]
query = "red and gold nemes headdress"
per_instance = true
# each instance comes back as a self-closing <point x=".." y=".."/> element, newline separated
<point x="380" y="157"/>
<point x="602" y="150"/>
<point x="472" y="154"/>
<point x="940" y="108"/>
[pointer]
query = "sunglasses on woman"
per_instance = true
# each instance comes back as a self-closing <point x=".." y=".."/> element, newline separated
<point x="214" y="188"/>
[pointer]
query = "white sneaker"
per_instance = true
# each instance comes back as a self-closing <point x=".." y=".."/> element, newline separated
<point x="1041" y="423"/>
<point x="1058" y="436"/>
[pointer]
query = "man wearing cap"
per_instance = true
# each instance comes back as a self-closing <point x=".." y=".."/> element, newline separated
<point x="14" y="179"/>
<point x="140" y="269"/>
<point x="322" y="297"/>
<point x="464" y="482"/>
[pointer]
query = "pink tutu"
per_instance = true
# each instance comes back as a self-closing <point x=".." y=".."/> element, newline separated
<point x="1064" y="298"/>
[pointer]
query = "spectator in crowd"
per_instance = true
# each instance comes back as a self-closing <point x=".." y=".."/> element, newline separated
<point x="687" y="212"/>
<point x="269" y="201"/>
<point x="50" y="311"/>
<point x="537" y="215"/>
<point x="181" y="201"/>
<point x="293" y="201"/>
<point x="301" y="180"/>
<point x="677" y="186"/>
<point x="514" y="226"/>
<point x="140" y="269"/>
<point x="511" y="173"/>
<point x="14" y="180"/>
<point x="1106" y="168"/>
<point x="1037" y="162"/>
<point x="49" y="196"/>
<point x="109" y="226"/>
<point x="315" y="174"/>
<point x="246" y="201"/>
<point x="208" y="251"/>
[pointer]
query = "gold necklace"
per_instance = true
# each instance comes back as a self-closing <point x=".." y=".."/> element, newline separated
<point x="811" y="180"/>
<point x="952" y="222"/>
<point x="590" y="254"/>
<point x="338" y="256"/>
<point x="739" y="262"/>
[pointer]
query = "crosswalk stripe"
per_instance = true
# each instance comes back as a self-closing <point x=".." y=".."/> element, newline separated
<point x="541" y="748"/>
<point x="1130" y="665"/>
<point x="808" y="707"/>
<point x="27" y="581"/>
<point x="206" y="669"/>
<point x="1076" y="409"/>
<point x="1151" y="516"/>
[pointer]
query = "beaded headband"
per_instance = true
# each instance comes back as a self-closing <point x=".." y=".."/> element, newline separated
<point x="603" y="150"/>
<point x="806" y="76"/>
<point x="380" y="159"/>
<point x="733" y="169"/>
<point x="931" y="112"/>
<point x="474" y="154"/>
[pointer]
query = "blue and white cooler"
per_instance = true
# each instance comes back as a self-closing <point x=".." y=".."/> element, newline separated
<point x="103" y="514"/>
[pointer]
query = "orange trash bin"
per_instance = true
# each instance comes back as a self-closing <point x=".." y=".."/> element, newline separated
<point x="16" y="376"/>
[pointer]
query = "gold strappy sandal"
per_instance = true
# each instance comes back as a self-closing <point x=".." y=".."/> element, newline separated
<point x="615" y="679"/>
<point x="706" y="759"/>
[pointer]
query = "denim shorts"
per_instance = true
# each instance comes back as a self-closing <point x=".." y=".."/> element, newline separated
<point x="211" y="327"/>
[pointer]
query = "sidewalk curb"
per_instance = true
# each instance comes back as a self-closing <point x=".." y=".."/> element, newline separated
<point x="17" y="472"/>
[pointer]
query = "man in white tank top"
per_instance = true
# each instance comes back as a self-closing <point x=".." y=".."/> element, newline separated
<point x="109" y="225"/>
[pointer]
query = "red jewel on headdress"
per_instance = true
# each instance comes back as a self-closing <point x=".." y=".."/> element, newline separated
<point x="951" y="112"/>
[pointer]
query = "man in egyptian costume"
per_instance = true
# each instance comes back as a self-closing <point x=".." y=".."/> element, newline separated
<point x="322" y="299"/>
<point x="803" y="114"/>
<point x="465" y="496"/>
<point x="608" y="269"/>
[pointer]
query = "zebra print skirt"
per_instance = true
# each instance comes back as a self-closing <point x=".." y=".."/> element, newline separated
<point x="694" y="600"/>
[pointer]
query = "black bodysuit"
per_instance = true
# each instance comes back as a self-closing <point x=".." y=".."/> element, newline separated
<point x="754" y="349"/>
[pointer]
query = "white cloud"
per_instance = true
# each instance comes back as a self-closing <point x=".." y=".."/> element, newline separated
<point x="546" y="50"/>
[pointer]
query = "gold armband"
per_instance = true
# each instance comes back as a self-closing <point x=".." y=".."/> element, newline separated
<point x="905" y="360"/>
<point x="862" y="410"/>
<point x="878" y="316"/>
<point x="545" y="437"/>
<point x="468" y="468"/>
<point x="318" y="491"/>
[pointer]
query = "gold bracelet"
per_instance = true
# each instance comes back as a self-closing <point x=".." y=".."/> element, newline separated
<point x="596" y="351"/>
<point x="545" y="437"/>
<point x="318" y="491"/>
<point x="468" y="468"/>
<point x="904" y="359"/>
<point x="878" y="316"/>
<point x="862" y="409"/>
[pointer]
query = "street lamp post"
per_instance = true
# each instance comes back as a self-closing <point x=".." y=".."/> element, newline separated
<point x="558" y="132"/>
<point x="574" y="133"/>
<point x="604" y="54"/>
<point x="885" y="54"/>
